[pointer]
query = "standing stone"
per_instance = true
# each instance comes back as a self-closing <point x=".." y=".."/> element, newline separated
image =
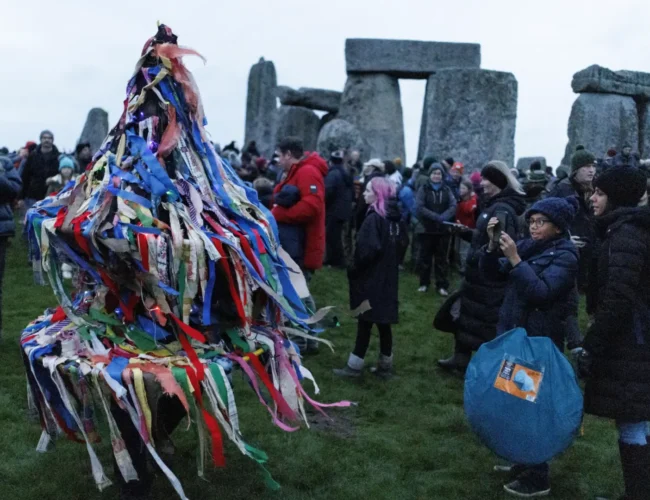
<point x="372" y="103"/>
<point x="298" y="122"/>
<point x="261" y="106"/>
<point x="644" y="130"/>
<point x="339" y="134"/>
<point x="523" y="164"/>
<point x="319" y="99"/>
<point x="601" y="121"/>
<point x="596" y="79"/>
<point x="408" y="58"/>
<point x="96" y="129"/>
<point x="471" y="115"/>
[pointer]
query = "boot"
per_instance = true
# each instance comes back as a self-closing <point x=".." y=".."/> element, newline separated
<point x="457" y="362"/>
<point x="635" y="460"/>
<point x="384" y="368"/>
<point x="352" y="369"/>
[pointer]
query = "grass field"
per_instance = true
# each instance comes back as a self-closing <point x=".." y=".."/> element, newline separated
<point x="406" y="439"/>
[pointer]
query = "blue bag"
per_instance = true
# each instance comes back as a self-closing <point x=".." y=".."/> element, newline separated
<point x="522" y="398"/>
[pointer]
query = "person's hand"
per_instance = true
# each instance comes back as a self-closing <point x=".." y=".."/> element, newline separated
<point x="584" y="363"/>
<point x="578" y="242"/>
<point x="490" y="227"/>
<point x="509" y="249"/>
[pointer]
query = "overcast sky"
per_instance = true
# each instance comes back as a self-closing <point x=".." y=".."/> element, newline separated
<point x="62" y="58"/>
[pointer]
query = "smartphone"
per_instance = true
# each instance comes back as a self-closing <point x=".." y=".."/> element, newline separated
<point x="500" y="226"/>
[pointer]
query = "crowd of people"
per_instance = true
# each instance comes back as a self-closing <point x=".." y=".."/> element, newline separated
<point x="526" y="245"/>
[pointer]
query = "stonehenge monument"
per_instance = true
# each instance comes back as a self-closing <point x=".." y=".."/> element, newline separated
<point x="95" y="129"/>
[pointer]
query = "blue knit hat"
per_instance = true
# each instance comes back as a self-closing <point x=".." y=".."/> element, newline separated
<point x="66" y="162"/>
<point x="560" y="211"/>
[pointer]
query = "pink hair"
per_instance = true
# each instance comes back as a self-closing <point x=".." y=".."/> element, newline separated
<point x="384" y="190"/>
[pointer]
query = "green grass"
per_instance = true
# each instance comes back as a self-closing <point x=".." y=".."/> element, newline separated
<point x="406" y="439"/>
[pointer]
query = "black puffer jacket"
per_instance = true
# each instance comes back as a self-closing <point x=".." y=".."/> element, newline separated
<point x="583" y="225"/>
<point x="619" y="340"/>
<point x="374" y="276"/>
<point x="10" y="185"/>
<point x="38" y="168"/>
<point x="481" y="298"/>
<point x="339" y="191"/>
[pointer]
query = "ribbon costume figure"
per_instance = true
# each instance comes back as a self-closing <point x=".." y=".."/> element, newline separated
<point x="178" y="280"/>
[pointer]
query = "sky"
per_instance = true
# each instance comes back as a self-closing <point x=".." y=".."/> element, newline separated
<point x="62" y="58"/>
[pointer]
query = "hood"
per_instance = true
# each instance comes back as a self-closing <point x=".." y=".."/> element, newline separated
<point x="510" y="197"/>
<point x="315" y="160"/>
<point x="529" y="248"/>
<point x="637" y="216"/>
<point x="392" y="210"/>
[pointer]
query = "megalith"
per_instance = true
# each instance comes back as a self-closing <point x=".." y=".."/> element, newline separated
<point x="261" y="104"/>
<point x="601" y="121"/>
<point x="471" y="115"/>
<point x="408" y="58"/>
<point x="318" y="99"/>
<point x="644" y="129"/>
<point x="298" y="122"/>
<point x="339" y="134"/>
<point x="372" y="103"/>
<point x="597" y="79"/>
<point x="95" y="129"/>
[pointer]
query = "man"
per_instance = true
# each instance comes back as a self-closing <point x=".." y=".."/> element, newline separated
<point x="82" y="157"/>
<point x="339" y="191"/>
<point x="626" y="158"/>
<point x="354" y="162"/>
<point x="535" y="183"/>
<point x="306" y="172"/>
<point x="583" y="228"/>
<point x="41" y="164"/>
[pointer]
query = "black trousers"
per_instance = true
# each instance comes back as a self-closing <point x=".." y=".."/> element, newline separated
<point x="434" y="247"/>
<point x="4" y="243"/>
<point x="364" y="329"/>
<point x="335" y="254"/>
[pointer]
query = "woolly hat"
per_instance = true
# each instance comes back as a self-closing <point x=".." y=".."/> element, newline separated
<point x="434" y="167"/>
<point x="624" y="186"/>
<point x="475" y="177"/>
<point x="560" y="211"/>
<point x="581" y="158"/>
<point x="458" y="167"/>
<point x="427" y="162"/>
<point x="46" y="132"/>
<point x="66" y="162"/>
<point x="495" y="176"/>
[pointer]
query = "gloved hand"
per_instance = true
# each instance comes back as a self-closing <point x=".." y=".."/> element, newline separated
<point x="584" y="362"/>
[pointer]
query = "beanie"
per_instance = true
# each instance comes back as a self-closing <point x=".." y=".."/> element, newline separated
<point x="66" y="162"/>
<point x="427" y="162"/>
<point x="46" y="132"/>
<point x="475" y="177"/>
<point x="624" y="186"/>
<point x="495" y="176"/>
<point x="560" y="211"/>
<point x="458" y="167"/>
<point x="437" y="166"/>
<point x="581" y="158"/>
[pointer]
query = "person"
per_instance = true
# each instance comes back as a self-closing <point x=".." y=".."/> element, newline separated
<point x="550" y="176"/>
<point x="455" y="178"/>
<point x="583" y="229"/>
<point x="475" y="178"/>
<point x="626" y="158"/>
<point x="306" y="171"/>
<point x="540" y="293"/>
<point x="292" y="236"/>
<point x="466" y="216"/>
<point x="406" y="197"/>
<point x="251" y="149"/>
<point x="535" y="182"/>
<point x="10" y="185"/>
<point x="354" y="161"/>
<point x="264" y="188"/>
<point x="616" y="356"/>
<point x="82" y="157"/>
<point x="435" y="204"/>
<point x="66" y="174"/>
<point x="394" y="175"/>
<point x="23" y="154"/>
<point x="247" y="171"/>
<point x="423" y="177"/>
<point x="374" y="278"/>
<point x="480" y="297"/>
<point x="371" y="169"/>
<point x="339" y="191"/>
<point x="232" y="146"/>
<point x="41" y="164"/>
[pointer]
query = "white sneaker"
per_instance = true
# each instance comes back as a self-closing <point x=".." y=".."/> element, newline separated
<point x="422" y="289"/>
<point x="443" y="292"/>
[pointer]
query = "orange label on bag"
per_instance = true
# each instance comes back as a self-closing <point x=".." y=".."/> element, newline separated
<point x="518" y="380"/>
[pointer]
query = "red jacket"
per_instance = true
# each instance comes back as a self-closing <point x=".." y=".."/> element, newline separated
<point x="308" y="175"/>
<point x="466" y="212"/>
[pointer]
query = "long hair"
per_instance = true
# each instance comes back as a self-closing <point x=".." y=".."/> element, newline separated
<point x="384" y="190"/>
<point x="512" y="180"/>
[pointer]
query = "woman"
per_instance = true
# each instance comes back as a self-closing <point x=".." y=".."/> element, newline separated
<point x="374" y="278"/>
<point x="616" y="356"/>
<point x="435" y="204"/>
<point x="540" y="274"/>
<point x="481" y="298"/>
<point x="466" y="216"/>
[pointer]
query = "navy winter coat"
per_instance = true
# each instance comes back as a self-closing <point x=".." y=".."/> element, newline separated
<point x="339" y="191"/>
<point x="10" y="185"/>
<point x="540" y="291"/>
<point x="619" y="340"/>
<point x="433" y="207"/>
<point x="292" y="236"/>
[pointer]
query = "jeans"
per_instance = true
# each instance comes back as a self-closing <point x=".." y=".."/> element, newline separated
<point x="573" y="335"/>
<point x="633" y="432"/>
<point x="433" y="246"/>
<point x="364" y="329"/>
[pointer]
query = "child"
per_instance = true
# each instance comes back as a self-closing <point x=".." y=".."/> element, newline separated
<point x="292" y="236"/>
<point x="58" y="181"/>
<point x="264" y="188"/>
<point x="466" y="215"/>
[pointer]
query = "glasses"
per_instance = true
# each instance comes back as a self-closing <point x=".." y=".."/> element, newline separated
<point x="538" y="222"/>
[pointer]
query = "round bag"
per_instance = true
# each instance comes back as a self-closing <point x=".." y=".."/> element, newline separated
<point x="522" y="398"/>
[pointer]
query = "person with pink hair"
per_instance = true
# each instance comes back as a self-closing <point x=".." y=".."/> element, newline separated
<point x="373" y="278"/>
